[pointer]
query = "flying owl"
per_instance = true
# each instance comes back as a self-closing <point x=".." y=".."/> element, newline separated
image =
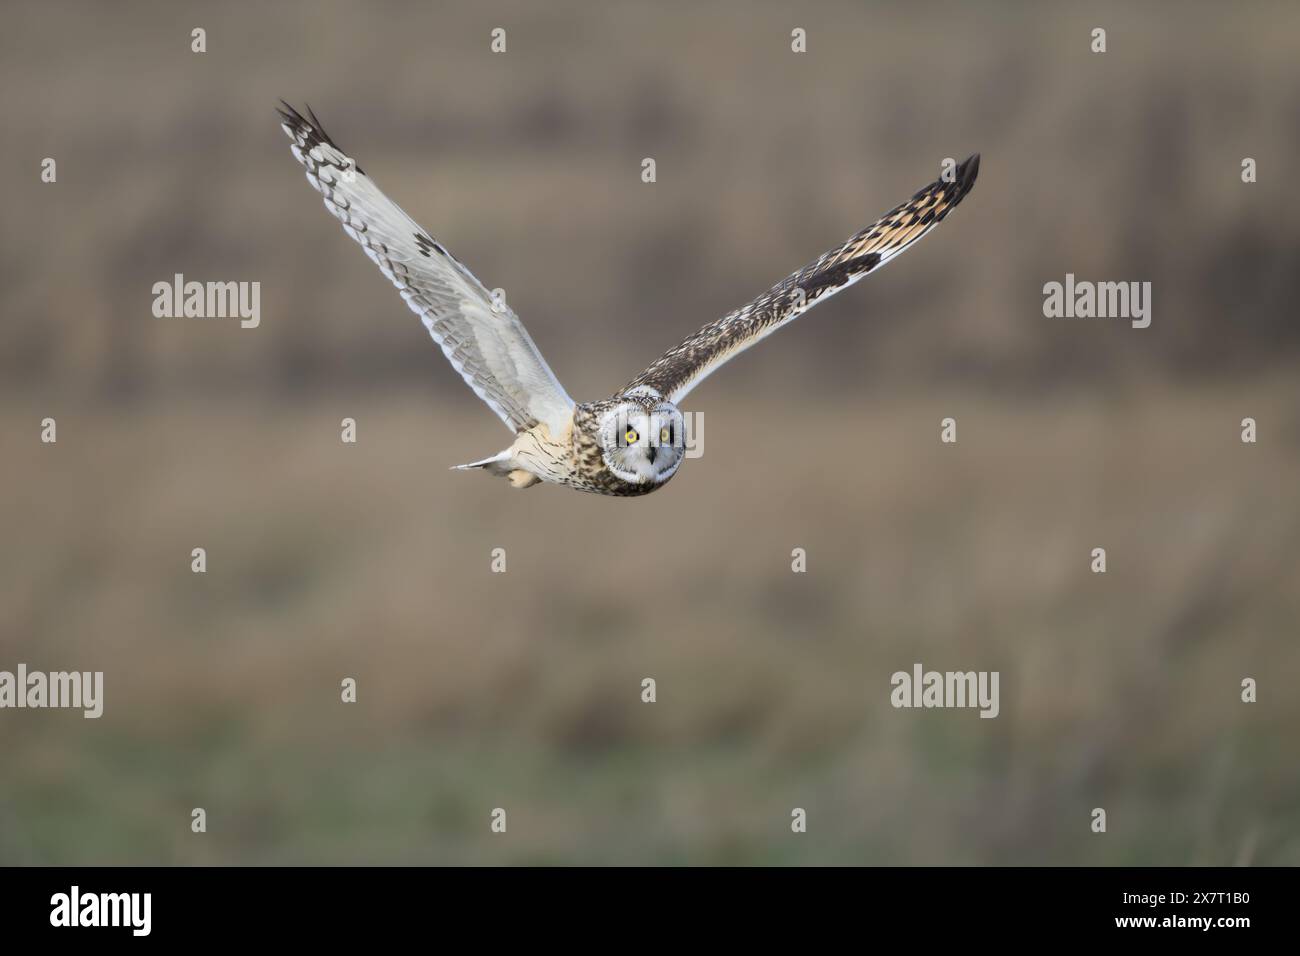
<point x="633" y="442"/>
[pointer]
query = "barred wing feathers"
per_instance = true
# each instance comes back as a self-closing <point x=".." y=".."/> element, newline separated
<point x="684" y="366"/>
<point x="485" y="342"/>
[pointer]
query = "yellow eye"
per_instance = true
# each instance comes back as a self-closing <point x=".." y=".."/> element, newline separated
<point x="631" y="436"/>
<point x="665" y="436"/>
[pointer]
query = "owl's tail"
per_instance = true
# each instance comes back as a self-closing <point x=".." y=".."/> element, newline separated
<point x="498" y="464"/>
<point x="503" y="465"/>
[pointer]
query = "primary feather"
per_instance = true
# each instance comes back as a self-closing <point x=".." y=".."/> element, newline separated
<point x="484" y="340"/>
<point x="684" y="366"/>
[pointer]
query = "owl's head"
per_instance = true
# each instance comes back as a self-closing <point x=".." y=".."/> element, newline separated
<point x="643" y="439"/>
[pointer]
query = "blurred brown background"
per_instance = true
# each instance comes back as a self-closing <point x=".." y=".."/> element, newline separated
<point x="522" y="690"/>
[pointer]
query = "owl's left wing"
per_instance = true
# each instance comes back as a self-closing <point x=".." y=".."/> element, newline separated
<point x="684" y="366"/>
<point x="482" y="338"/>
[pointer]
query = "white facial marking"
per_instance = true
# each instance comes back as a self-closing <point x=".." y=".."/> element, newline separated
<point x="643" y="447"/>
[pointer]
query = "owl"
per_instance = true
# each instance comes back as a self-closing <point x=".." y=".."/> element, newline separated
<point x="633" y="442"/>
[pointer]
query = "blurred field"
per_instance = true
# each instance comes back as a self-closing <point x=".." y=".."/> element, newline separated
<point x="522" y="690"/>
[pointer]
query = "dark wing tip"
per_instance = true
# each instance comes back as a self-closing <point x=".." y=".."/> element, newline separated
<point x="289" y="116"/>
<point x="967" y="170"/>
<point x="310" y="129"/>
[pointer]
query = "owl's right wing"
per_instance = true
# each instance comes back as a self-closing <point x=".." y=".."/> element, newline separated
<point x="484" y="341"/>
<point x="684" y="366"/>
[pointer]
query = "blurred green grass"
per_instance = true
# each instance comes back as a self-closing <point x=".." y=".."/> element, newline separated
<point x="522" y="690"/>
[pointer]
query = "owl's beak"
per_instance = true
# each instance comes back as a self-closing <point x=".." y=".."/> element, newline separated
<point x="652" y="451"/>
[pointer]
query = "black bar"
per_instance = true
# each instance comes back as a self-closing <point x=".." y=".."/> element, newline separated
<point x="303" y="904"/>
